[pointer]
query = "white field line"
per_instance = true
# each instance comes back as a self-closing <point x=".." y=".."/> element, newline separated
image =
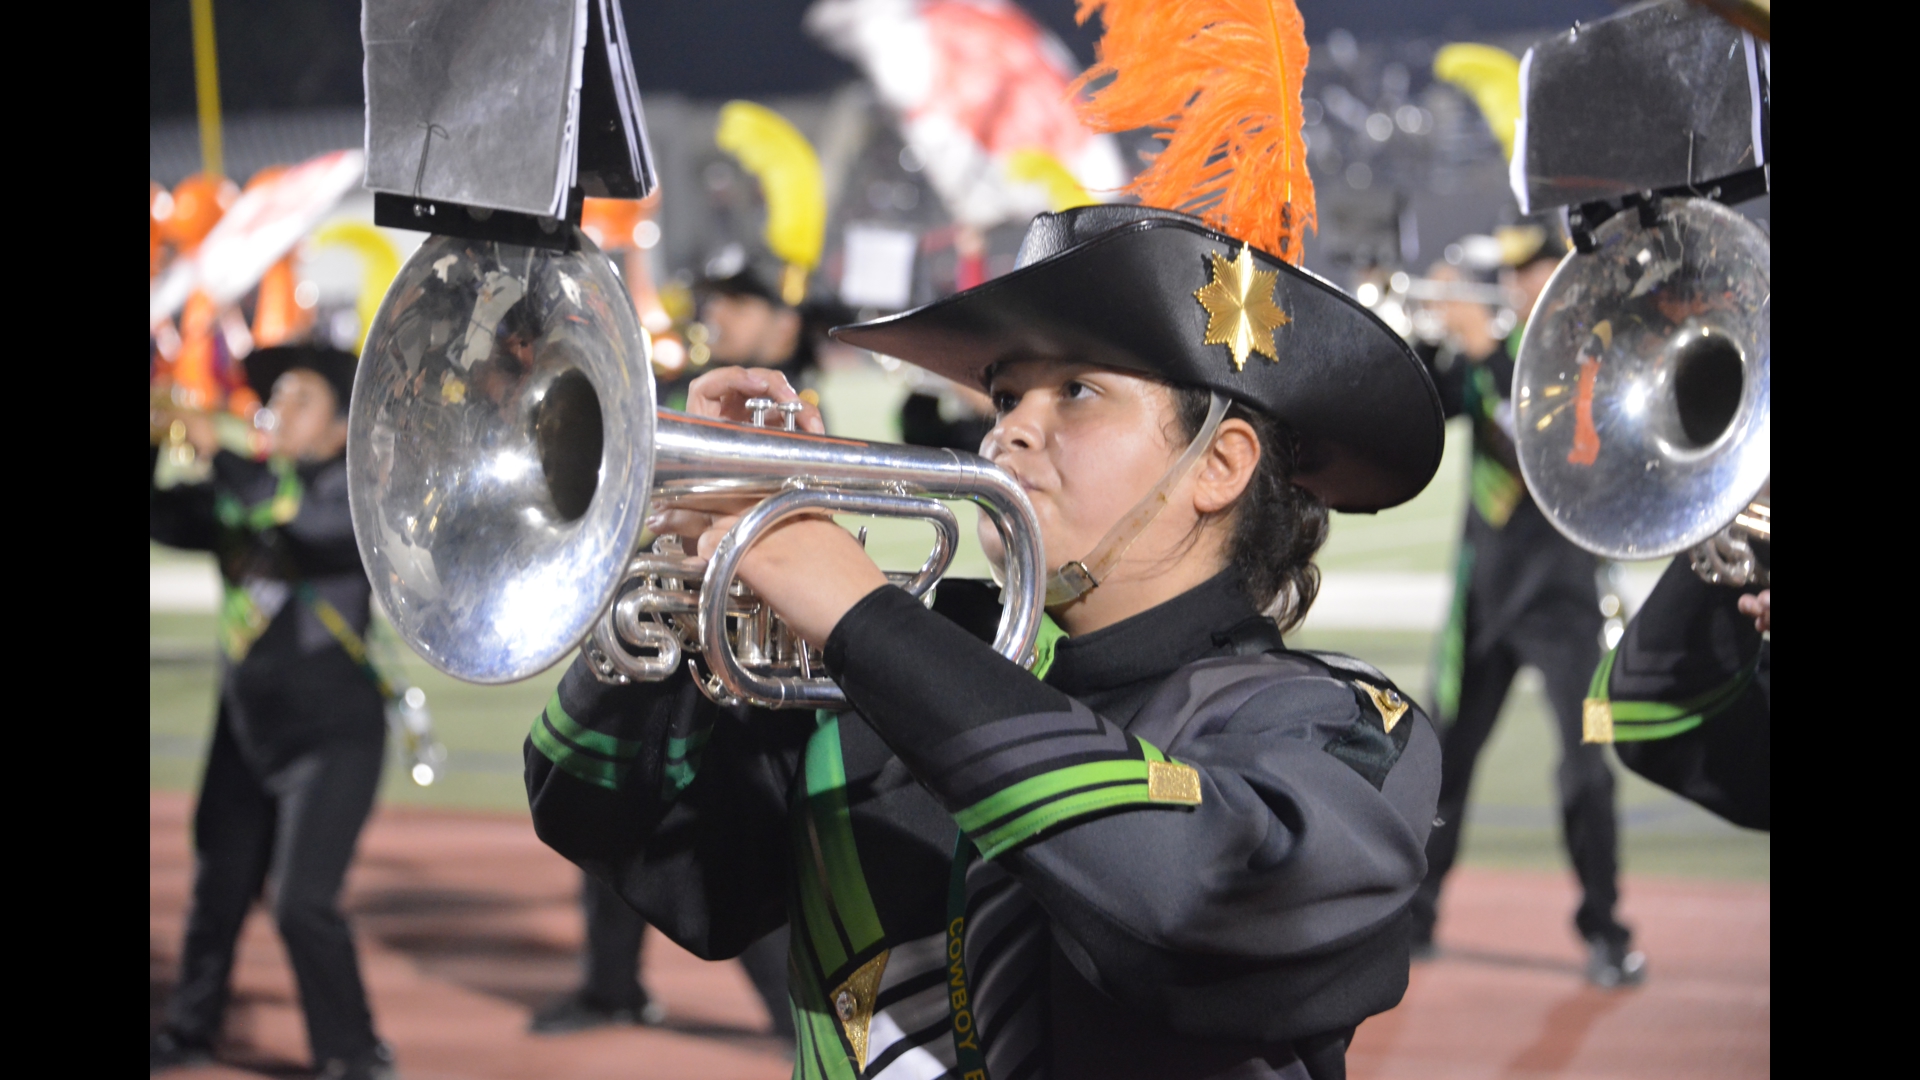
<point x="1407" y="600"/>
<point x="1380" y="600"/>
<point x="192" y="588"/>
<point x="1349" y="599"/>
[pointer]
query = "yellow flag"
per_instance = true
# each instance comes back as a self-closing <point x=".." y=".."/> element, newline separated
<point x="1491" y="77"/>
<point x="775" y="152"/>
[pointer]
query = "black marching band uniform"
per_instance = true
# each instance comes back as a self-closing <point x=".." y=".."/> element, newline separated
<point x="1524" y="595"/>
<point x="1183" y="850"/>
<point x="1686" y="698"/>
<point x="301" y="732"/>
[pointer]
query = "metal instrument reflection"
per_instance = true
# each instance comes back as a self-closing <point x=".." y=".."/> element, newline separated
<point x="1643" y="393"/>
<point x="504" y="452"/>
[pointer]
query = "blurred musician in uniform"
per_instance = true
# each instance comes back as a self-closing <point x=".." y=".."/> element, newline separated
<point x="610" y="992"/>
<point x="744" y="322"/>
<point x="301" y="733"/>
<point x="1523" y="596"/>
<point x="750" y="325"/>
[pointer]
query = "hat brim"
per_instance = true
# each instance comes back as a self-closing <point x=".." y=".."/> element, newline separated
<point x="265" y="366"/>
<point x="1362" y="404"/>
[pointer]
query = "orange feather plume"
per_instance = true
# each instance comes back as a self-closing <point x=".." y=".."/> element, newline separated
<point x="1220" y="81"/>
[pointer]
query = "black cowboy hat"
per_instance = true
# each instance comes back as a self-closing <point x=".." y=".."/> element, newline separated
<point x="1138" y="288"/>
<point x="265" y="366"/>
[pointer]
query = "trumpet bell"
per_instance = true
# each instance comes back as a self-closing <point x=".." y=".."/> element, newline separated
<point x="502" y="418"/>
<point x="1642" y="394"/>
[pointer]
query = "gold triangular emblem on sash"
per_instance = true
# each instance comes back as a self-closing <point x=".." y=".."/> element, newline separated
<point x="853" y="1004"/>
<point x="1391" y="703"/>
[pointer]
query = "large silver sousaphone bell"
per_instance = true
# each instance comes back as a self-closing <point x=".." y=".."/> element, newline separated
<point x="1642" y="398"/>
<point x="503" y="454"/>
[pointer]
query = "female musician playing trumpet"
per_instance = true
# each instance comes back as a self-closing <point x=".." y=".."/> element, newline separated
<point x="1174" y="848"/>
<point x="1170" y="847"/>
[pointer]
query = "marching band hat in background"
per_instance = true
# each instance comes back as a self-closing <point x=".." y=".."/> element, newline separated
<point x="1162" y="293"/>
<point x="265" y="366"/>
<point x="1530" y="240"/>
<point x="734" y="271"/>
<point x="1511" y="246"/>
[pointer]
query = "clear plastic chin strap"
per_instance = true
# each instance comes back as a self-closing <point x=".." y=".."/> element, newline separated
<point x="1079" y="577"/>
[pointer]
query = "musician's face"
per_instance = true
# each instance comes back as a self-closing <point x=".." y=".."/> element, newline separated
<point x="1525" y="284"/>
<point x="749" y="330"/>
<point x="1086" y="443"/>
<point x="307" y="422"/>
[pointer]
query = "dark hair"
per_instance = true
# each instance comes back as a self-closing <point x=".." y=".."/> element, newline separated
<point x="1277" y="525"/>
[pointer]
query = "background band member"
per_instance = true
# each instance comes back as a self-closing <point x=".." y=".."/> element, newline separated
<point x="1687" y="695"/>
<point x="1524" y="596"/>
<point x="747" y="323"/>
<point x="301" y="733"/>
<point x="967" y="816"/>
<point x="611" y="992"/>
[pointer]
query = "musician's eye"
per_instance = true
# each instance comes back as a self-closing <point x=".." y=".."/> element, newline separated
<point x="1075" y="390"/>
<point x="1005" y="402"/>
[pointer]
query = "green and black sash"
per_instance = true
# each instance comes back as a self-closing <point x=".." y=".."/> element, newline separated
<point x="241" y="620"/>
<point x="838" y="947"/>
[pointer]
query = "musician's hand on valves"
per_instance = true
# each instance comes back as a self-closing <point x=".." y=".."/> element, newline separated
<point x="809" y="569"/>
<point x="723" y="393"/>
<point x="1760" y="608"/>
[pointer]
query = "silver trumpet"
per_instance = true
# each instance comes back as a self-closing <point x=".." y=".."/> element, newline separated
<point x="504" y="453"/>
<point x="1643" y="392"/>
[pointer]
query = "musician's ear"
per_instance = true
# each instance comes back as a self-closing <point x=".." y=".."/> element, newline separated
<point x="1227" y="468"/>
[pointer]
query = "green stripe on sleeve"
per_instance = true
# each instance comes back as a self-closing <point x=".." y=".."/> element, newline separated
<point x="1048" y="786"/>
<point x="586" y="738"/>
<point x="579" y="751"/>
<point x="594" y="770"/>
<point x="1643" y="732"/>
<point x="683" y="762"/>
<point x="1645" y="721"/>
<point x="1030" y="824"/>
<point x="1016" y="814"/>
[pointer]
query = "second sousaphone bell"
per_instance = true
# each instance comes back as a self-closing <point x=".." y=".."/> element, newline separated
<point x="1642" y="394"/>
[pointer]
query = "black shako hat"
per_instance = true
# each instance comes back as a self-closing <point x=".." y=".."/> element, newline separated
<point x="265" y="366"/>
<point x="1156" y="291"/>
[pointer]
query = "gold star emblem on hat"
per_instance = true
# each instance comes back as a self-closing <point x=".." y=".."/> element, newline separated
<point x="1241" y="313"/>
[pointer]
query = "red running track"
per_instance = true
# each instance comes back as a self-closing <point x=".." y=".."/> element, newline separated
<point x="466" y="921"/>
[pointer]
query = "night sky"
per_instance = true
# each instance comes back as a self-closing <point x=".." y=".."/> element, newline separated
<point x="307" y="55"/>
